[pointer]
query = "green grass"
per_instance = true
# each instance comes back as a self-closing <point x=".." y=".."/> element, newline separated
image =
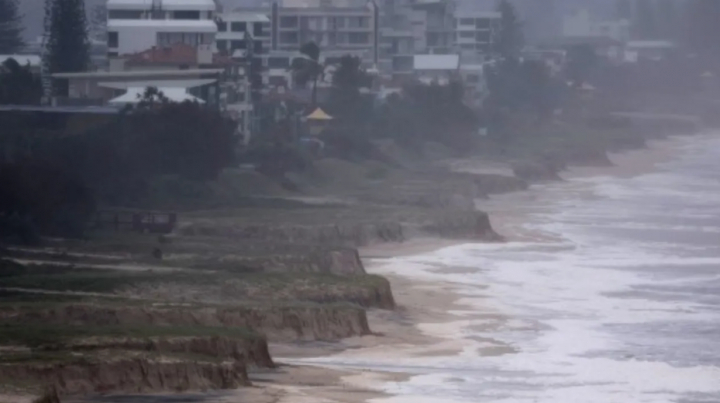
<point x="36" y="335"/>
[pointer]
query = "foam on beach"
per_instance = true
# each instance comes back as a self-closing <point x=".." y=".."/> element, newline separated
<point x="621" y="307"/>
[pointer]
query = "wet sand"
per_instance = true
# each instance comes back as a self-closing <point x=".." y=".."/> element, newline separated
<point x="426" y="322"/>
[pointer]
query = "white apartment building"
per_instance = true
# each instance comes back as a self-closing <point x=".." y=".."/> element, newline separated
<point x="236" y="30"/>
<point x="474" y="33"/>
<point x="137" y="25"/>
<point x="582" y="24"/>
<point x="414" y="27"/>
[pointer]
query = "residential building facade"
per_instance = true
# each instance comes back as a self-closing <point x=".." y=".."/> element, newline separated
<point x="581" y="23"/>
<point x="336" y="26"/>
<point x="137" y="25"/>
<point x="475" y="32"/>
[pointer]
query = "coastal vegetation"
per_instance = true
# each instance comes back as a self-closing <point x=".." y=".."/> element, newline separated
<point x="267" y="246"/>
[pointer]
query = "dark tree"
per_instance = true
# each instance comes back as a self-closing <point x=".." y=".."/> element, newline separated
<point x="18" y="84"/>
<point x="308" y="68"/>
<point x="67" y="48"/>
<point x="645" y="23"/>
<point x="581" y="60"/>
<point x="185" y="139"/>
<point x="11" y="41"/>
<point x="98" y="22"/>
<point x="349" y="75"/>
<point x="509" y="37"/>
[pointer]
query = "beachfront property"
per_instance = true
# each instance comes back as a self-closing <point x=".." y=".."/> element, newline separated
<point x="137" y="25"/>
<point x="475" y="32"/>
<point x="338" y="27"/>
<point x="240" y="32"/>
<point x="123" y="87"/>
<point x="582" y="24"/>
<point x="410" y="27"/>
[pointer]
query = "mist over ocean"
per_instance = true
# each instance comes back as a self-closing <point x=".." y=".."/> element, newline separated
<point x="623" y="307"/>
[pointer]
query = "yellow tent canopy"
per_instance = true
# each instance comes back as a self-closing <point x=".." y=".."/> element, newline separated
<point x="318" y="114"/>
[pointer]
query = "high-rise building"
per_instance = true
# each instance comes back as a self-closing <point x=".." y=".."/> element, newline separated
<point x="137" y="25"/>
<point x="337" y="27"/>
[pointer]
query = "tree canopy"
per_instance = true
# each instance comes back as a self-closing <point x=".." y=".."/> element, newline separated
<point x="67" y="48"/>
<point x="11" y="28"/>
<point x="509" y="39"/>
<point x="308" y="68"/>
<point x="18" y="84"/>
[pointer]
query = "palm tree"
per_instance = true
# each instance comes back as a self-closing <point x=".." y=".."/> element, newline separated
<point x="18" y="84"/>
<point x="308" y="67"/>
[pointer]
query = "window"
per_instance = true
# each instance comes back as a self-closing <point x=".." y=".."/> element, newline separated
<point x="257" y="47"/>
<point x="338" y="22"/>
<point x="288" y="22"/>
<point x="483" y="23"/>
<point x="221" y="45"/>
<point x="186" y="15"/>
<point x="113" y="39"/>
<point x="313" y="23"/>
<point x="483" y="36"/>
<point x="289" y="37"/>
<point x="473" y="78"/>
<point x="467" y="34"/>
<point x="356" y="38"/>
<point x="342" y="38"/>
<point x="279" y="62"/>
<point x="237" y="45"/>
<point x="165" y="39"/>
<point x="238" y="26"/>
<point x="467" y="21"/>
<point x="112" y="54"/>
<point x="222" y="26"/>
<point x="124" y="15"/>
<point x="257" y="29"/>
<point x="358" y="22"/>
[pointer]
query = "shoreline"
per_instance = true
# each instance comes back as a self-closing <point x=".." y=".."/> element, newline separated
<point x="427" y="304"/>
<point x="430" y="311"/>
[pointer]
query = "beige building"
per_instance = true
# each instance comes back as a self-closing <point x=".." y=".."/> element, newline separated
<point x="339" y="26"/>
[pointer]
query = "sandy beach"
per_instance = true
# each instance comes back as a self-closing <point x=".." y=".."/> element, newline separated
<point x="432" y="313"/>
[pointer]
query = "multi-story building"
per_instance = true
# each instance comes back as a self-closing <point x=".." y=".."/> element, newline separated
<point x="338" y="27"/>
<point x="582" y="24"/>
<point x="239" y="30"/>
<point x="137" y="25"/>
<point x="414" y="27"/>
<point x="436" y="21"/>
<point x="474" y="33"/>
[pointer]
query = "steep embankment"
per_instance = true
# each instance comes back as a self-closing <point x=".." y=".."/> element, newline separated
<point x="277" y="323"/>
<point x="109" y="374"/>
<point x="90" y="358"/>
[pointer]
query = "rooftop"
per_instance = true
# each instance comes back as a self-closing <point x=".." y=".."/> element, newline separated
<point x="208" y="26"/>
<point x="146" y="73"/>
<point x="436" y="62"/>
<point x="169" y="5"/>
<point x="650" y="44"/>
<point x="59" y="109"/>
<point x="321" y="3"/>
<point x="244" y="16"/>
<point x="476" y="14"/>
